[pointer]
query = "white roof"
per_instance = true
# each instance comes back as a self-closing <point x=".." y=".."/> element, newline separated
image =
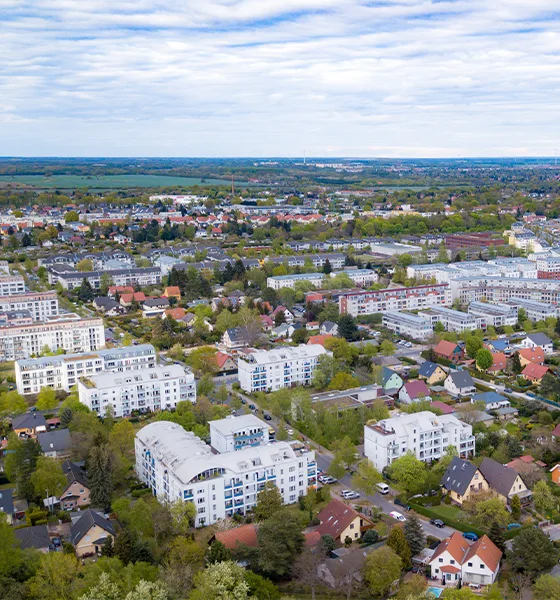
<point x="233" y="424"/>
<point x="285" y="353"/>
<point x="111" y="379"/>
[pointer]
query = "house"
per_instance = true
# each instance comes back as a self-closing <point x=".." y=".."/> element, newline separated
<point x="500" y="345"/>
<point x="414" y="391"/>
<point x="120" y="289"/>
<point x="556" y="432"/>
<point x="535" y="373"/>
<point x="172" y="291"/>
<point x="328" y="328"/>
<point x="499" y="362"/>
<point x="461" y="480"/>
<point x="555" y="474"/>
<point x="284" y="331"/>
<point x="341" y="521"/>
<point x="244" y="535"/>
<point x="318" y="339"/>
<point x="76" y="493"/>
<point x="155" y="303"/>
<point x="492" y="400"/>
<point x="533" y="340"/>
<point x="526" y="465"/>
<point x="288" y="314"/>
<point x="236" y="337"/>
<point x="29" y="424"/>
<point x="176" y="313"/>
<point x="459" y="383"/>
<point x="312" y="326"/>
<point x="126" y="300"/>
<point x="36" y="537"/>
<point x="108" y="306"/>
<point x="7" y="504"/>
<point x="225" y="362"/>
<point x="528" y="356"/>
<point x="345" y="569"/>
<point x="456" y="560"/>
<point x="507" y="414"/>
<point x="442" y="407"/>
<point x="89" y="533"/>
<point x="266" y="323"/>
<point x="390" y="380"/>
<point x="504" y="482"/>
<point x="431" y="372"/>
<point x="55" y="443"/>
<point x="450" y="351"/>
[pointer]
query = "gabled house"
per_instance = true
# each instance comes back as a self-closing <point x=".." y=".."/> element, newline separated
<point x="504" y="482"/>
<point x="36" y="537"/>
<point x="77" y="490"/>
<point x="89" y="533"/>
<point x="172" y="291"/>
<point x="288" y="315"/>
<point x="531" y="356"/>
<point x="414" y="391"/>
<point x="492" y="400"/>
<point x="390" y="380"/>
<point x="499" y="362"/>
<point x="450" y="351"/>
<point x="284" y="331"/>
<point x="236" y="337"/>
<point x="459" y="383"/>
<point x="431" y="372"/>
<point x="555" y="474"/>
<point x="318" y="339"/>
<point x="535" y="373"/>
<point x="328" y="328"/>
<point x="126" y="300"/>
<point x="267" y="323"/>
<point x="55" y="443"/>
<point x="341" y="521"/>
<point x="29" y="424"/>
<point x="461" y="480"/>
<point x="225" y="362"/>
<point x="176" y="313"/>
<point x="534" y="340"/>
<point x="108" y="306"/>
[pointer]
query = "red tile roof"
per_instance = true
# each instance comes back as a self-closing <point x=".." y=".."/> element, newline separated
<point x="534" y="355"/>
<point x="445" y="348"/>
<point x="486" y="551"/>
<point x="336" y="517"/>
<point x="534" y="372"/>
<point x="244" y="534"/>
<point x="455" y="544"/>
<point x="319" y="339"/>
<point x="499" y="361"/>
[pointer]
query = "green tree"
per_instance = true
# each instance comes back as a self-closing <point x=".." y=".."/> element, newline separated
<point x="56" y="577"/>
<point x="382" y="567"/>
<point x="497" y="536"/>
<point x="12" y="403"/>
<point x="121" y="437"/>
<point x="516" y="508"/>
<point x="71" y="216"/>
<point x="516" y="365"/>
<point x="11" y="556"/>
<point x="397" y="542"/>
<point x="414" y="534"/>
<point x="300" y="336"/>
<point x="366" y="477"/>
<point x="343" y="381"/>
<point x="46" y="400"/>
<point x="20" y="463"/>
<point x="547" y="587"/>
<point x="347" y="327"/>
<point x="269" y="502"/>
<point x="533" y="552"/>
<point x="387" y="348"/>
<point x="100" y="473"/>
<point x="409" y="472"/>
<point x="85" y="291"/>
<point x="85" y="265"/>
<point x="280" y="542"/>
<point x="182" y="516"/>
<point x="543" y="497"/>
<point x="327" y="367"/>
<point x="205" y="385"/>
<point x="217" y="552"/>
<point x="484" y="359"/>
<point x="491" y="510"/>
<point x="260" y="587"/>
<point x="473" y="345"/>
<point x="221" y="581"/>
<point x="48" y="479"/>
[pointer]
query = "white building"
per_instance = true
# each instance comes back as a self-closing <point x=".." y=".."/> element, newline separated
<point x="502" y="289"/>
<point x="270" y="370"/>
<point x="179" y="466"/>
<point x="61" y="372"/>
<point x="68" y="332"/>
<point x="360" y="277"/>
<point x="40" y="305"/>
<point x="141" y="277"/>
<point x="407" y="324"/>
<point x="235" y="433"/>
<point x="453" y="320"/>
<point x="159" y="388"/>
<point x="424" y="434"/>
<point x="10" y="285"/>
<point x="535" y="311"/>
<point x="497" y="315"/>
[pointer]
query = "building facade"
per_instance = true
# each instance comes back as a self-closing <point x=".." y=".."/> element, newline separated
<point x="454" y="320"/>
<point x="40" y="305"/>
<point x="496" y="315"/>
<point x="11" y="285"/>
<point x="235" y="433"/>
<point x="141" y="277"/>
<point x="407" y="324"/>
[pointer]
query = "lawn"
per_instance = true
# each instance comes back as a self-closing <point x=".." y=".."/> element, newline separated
<point x="446" y="511"/>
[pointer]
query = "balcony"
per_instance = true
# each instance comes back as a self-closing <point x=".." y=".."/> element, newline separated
<point x="271" y="477"/>
<point x="238" y="493"/>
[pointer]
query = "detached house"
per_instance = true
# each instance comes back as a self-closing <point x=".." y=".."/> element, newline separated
<point x="492" y="400"/>
<point x="328" y="328"/>
<point x="76" y="493"/>
<point x="461" y="480"/>
<point x="450" y="351"/>
<point x="341" y="521"/>
<point x="431" y="372"/>
<point x="534" y="340"/>
<point x="29" y="425"/>
<point x="90" y="532"/>
<point x="459" y="383"/>
<point x="535" y="373"/>
<point x="390" y="380"/>
<point x="531" y="356"/>
<point x="505" y="482"/>
<point x="236" y="337"/>
<point x="414" y="391"/>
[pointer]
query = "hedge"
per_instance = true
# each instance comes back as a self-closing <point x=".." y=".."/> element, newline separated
<point x="451" y="522"/>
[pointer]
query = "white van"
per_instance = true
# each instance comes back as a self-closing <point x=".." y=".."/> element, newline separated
<point x="382" y="488"/>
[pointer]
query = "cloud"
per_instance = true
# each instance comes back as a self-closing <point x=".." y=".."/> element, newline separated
<point x="276" y="77"/>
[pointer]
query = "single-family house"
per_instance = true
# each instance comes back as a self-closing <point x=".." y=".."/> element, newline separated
<point x="288" y="314"/>
<point x="449" y="351"/>
<point x="442" y="407"/>
<point x="318" y="339"/>
<point x="76" y="493"/>
<point x="127" y="299"/>
<point x="431" y="372"/>
<point x="500" y="345"/>
<point x="7" y="504"/>
<point x="492" y="400"/>
<point x="328" y="328"/>
<point x="225" y="363"/>
<point x="526" y="466"/>
<point x="459" y="383"/>
<point x="90" y="532"/>
<point x="499" y="362"/>
<point x="414" y="391"/>
<point x="507" y="413"/>
<point x="504" y="482"/>
<point x="36" y="537"/>
<point x="341" y="521"/>
<point x="284" y="331"/>
<point x="556" y="432"/>
<point x="244" y="535"/>
<point x="531" y="356"/>
<point x="115" y="290"/>
<point x="154" y="307"/>
<point x="236" y="337"/>
<point x="266" y="323"/>
<point x="29" y="424"/>
<point x="108" y="306"/>
<point x="535" y="373"/>
<point x="462" y="480"/>
<point x="533" y="340"/>
<point x="555" y="474"/>
<point x="345" y="570"/>
<point x="312" y="326"/>
<point x="55" y="443"/>
<point x="172" y="291"/>
<point x="176" y="313"/>
<point x="390" y="381"/>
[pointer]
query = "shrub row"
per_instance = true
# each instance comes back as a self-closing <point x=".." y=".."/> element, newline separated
<point x="451" y="522"/>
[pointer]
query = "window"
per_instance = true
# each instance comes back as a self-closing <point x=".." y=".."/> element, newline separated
<point x="441" y="560"/>
<point x="351" y="525"/>
<point x="452" y="561"/>
<point x="469" y="564"/>
<point x="482" y="566"/>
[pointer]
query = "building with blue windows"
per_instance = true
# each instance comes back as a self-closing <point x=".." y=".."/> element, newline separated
<point x="236" y="433"/>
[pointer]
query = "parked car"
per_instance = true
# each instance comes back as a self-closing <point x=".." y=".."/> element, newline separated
<point x="267" y="418"/>
<point x="243" y="401"/>
<point x="252" y="407"/>
<point x="399" y="502"/>
<point x="397" y="516"/>
<point x="290" y="431"/>
<point x="349" y="494"/>
<point x="437" y="522"/>
<point x="57" y="542"/>
<point x="508" y="390"/>
<point x="469" y="535"/>
<point x="329" y="480"/>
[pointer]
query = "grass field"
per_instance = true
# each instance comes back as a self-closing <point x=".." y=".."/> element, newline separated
<point x="105" y="182"/>
<point x="445" y="511"/>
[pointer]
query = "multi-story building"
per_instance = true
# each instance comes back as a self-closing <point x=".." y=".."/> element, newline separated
<point x="497" y="315"/>
<point x="515" y="267"/>
<point x="413" y="326"/>
<point x="67" y="332"/>
<point x="336" y="260"/>
<point x="179" y="466"/>
<point x="502" y="289"/>
<point x="548" y="267"/>
<point x="390" y="299"/>
<point x="10" y="285"/>
<point x="141" y="277"/>
<point x="535" y="311"/>
<point x="424" y="434"/>
<point x="361" y="277"/>
<point x="235" y="433"/>
<point x="160" y="388"/>
<point x="270" y="370"/>
<point x="471" y="240"/>
<point x="40" y="305"/>
<point x="453" y="320"/>
<point x="61" y="372"/>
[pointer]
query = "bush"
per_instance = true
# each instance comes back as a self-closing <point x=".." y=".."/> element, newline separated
<point x="64" y="516"/>
<point x="315" y="521"/>
<point x="451" y="522"/>
<point x="52" y="519"/>
<point x="41" y="522"/>
<point x="139" y="493"/>
<point x="370" y="536"/>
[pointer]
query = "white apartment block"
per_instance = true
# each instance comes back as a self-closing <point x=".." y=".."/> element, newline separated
<point x="515" y="267"/>
<point x="496" y="315"/>
<point x="454" y="320"/>
<point x="270" y="370"/>
<point x="498" y="267"/>
<point x="179" y="466"/>
<point x="424" y="434"/>
<point x="61" y="372"/>
<point x="407" y="324"/>
<point x="548" y="267"/>
<point x="141" y="277"/>
<point x="536" y="311"/>
<point x="10" y="285"/>
<point x="391" y="299"/>
<point x="156" y="389"/>
<point x="360" y="277"/>
<point x="40" y="305"/>
<point x="67" y="332"/>
<point x="235" y="433"/>
<point x="500" y="290"/>
<point x="336" y="260"/>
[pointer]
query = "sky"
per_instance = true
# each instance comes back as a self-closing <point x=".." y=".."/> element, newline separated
<point x="356" y="78"/>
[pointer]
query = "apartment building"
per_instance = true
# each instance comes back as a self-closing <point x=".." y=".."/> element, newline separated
<point x="141" y="277"/>
<point x="502" y="289"/>
<point x="391" y="299"/>
<point x="496" y="315"/>
<point x="454" y="320"/>
<point x="270" y="370"/>
<point x="10" y="285"/>
<point x="424" y="434"/>
<point x="179" y="466"/>
<point x="536" y="311"/>
<point x="67" y="332"/>
<point x="548" y="267"/>
<point x="360" y="277"/>
<point x="101" y="261"/>
<point x="235" y="433"/>
<point x="407" y="324"/>
<point x="336" y="260"/>
<point x="515" y="267"/>
<point x="61" y="372"/>
<point x="156" y="389"/>
<point x="39" y="305"/>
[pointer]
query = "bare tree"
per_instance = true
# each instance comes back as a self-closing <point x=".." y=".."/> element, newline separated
<point x="350" y="581"/>
<point x="306" y="567"/>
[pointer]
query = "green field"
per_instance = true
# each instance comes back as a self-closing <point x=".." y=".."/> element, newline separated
<point x="104" y="182"/>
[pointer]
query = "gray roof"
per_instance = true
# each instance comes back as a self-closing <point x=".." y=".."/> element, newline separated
<point x="56" y="440"/>
<point x="461" y="379"/>
<point x="105" y="302"/>
<point x="238" y="334"/>
<point x="33" y="537"/>
<point x="86" y="522"/>
<point x="427" y="368"/>
<point x="74" y="472"/>
<point x="156" y="302"/>
<point x="540" y="339"/>
<point x="458" y="475"/>
<point x="499" y="478"/>
<point x="29" y="420"/>
<point x="6" y="501"/>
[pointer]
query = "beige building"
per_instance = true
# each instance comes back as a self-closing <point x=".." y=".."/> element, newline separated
<point x="463" y="480"/>
<point x="340" y="521"/>
<point x="89" y="533"/>
<point x="77" y="491"/>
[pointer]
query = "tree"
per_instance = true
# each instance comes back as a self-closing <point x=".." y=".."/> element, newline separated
<point x="12" y="403"/>
<point x="387" y="348"/>
<point x="20" y="463"/>
<point x="543" y="497"/>
<point x="217" y="552"/>
<point x="221" y="581"/>
<point x="382" y="567"/>
<point x="46" y="400"/>
<point x="279" y="318"/>
<point x="533" y="552"/>
<point x="496" y="535"/>
<point x="48" y="479"/>
<point x="121" y="437"/>
<point x="269" y="502"/>
<point x="516" y="508"/>
<point x="491" y="510"/>
<point x="11" y="556"/>
<point x="366" y="477"/>
<point x="327" y="267"/>
<point x="71" y="216"/>
<point x="85" y="291"/>
<point x="343" y="381"/>
<point x="413" y="588"/>
<point x="100" y="474"/>
<point x="306" y="567"/>
<point x="85" y="265"/>
<point x="182" y="516"/>
<point x="484" y="359"/>
<point x="516" y="365"/>
<point x="397" y="542"/>
<point x="329" y="542"/>
<point x="260" y="587"/>
<point x="409" y="472"/>
<point x="414" y="534"/>
<point x="347" y="327"/>
<point x="205" y="385"/>
<point x="327" y="367"/>
<point x="300" y="336"/>
<point x="56" y="577"/>
<point x="280" y="543"/>
<point x="473" y="345"/>
<point x="547" y="587"/>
